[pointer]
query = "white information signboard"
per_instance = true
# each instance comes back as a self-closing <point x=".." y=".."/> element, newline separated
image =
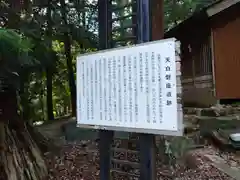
<point x="130" y="89"/>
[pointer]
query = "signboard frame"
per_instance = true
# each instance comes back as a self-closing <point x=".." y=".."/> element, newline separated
<point x="179" y="131"/>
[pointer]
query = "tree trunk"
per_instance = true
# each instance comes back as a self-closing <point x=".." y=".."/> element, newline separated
<point x="67" y="48"/>
<point x="22" y="160"/>
<point x="71" y="80"/>
<point x="49" y="71"/>
<point x="24" y="94"/>
<point x="20" y="157"/>
<point x="49" y="95"/>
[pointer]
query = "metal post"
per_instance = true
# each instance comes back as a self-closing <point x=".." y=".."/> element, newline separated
<point x="143" y="18"/>
<point x="147" y="141"/>
<point x="106" y="137"/>
<point x="104" y="17"/>
<point x="147" y="157"/>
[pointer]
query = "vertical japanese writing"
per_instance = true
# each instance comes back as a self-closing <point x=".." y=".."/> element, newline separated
<point x="168" y="81"/>
<point x="130" y="106"/>
<point x="105" y="88"/>
<point x="96" y="79"/>
<point x="88" y="96"/>
<point x="154" y="95"/>
<point x="141" y="71"/>
<point x="114" y="86"/>
<point x="147" y="86"/>
<point x="110" y="89"/>
<point x="92" y="87"/>
<point x="100" y="89"/>
<point x="131" y="88"/>
<point x="81" y="106"/>
<point x="125" y="88"/>
<point x="135" y="88"/>
<point x="159" y="88"/>
<point x="119" y="88"/>
<point x="83" y="79"/>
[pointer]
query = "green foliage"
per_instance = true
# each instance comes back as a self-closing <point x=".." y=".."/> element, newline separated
<point x="14" y="50"/>
<point x="178" y="10"/>
<point x="25" y="52"/>
<point x="13" y="40"/>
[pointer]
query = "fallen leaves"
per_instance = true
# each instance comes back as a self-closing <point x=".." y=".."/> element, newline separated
<point x="80" y="161"/>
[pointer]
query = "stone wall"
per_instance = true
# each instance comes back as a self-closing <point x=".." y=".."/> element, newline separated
<point x="199" y="91"/>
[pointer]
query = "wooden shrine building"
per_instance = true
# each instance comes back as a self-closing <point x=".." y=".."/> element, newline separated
<point x="210" y="45"/>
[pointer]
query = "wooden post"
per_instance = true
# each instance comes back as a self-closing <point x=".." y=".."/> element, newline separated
<point x="150" y="21"/>
<point x="106" y="137"/>
<point x="157" y="25"/>
<point x="148" y="26"/>
<point x="157" y="19"/>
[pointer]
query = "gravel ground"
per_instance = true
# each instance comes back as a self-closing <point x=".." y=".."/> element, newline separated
<point x="80" y="161"/>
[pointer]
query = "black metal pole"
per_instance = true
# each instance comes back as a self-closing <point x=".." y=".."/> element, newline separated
<point x="144" y="22"/>
<point x="104" y="17"/>
<point x="106" y="137"/>
<point x="147" y="141"/>
<point x="105" y="145"/>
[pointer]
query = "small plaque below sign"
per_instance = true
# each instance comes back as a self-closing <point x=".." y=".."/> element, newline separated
<point x="131" y="89"/>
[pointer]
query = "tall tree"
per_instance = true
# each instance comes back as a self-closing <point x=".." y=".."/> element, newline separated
<point x="67" y="47"/>
<point x="49" y="72"/>
<point x="19" y="154"/>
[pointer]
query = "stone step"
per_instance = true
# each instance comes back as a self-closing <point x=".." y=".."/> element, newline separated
<point x="209" y="124"/>
<point x="225" y="140"/>
<point x="220" y="141"/>
<point x="213" y="111"/>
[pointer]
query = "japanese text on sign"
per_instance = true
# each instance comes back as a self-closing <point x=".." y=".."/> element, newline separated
<point x="132" y="87"/>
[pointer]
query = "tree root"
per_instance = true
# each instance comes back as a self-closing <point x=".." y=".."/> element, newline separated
<point x="22" y="159"/>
